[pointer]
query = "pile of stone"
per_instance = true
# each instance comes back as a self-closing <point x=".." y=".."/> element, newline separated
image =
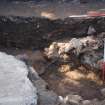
<point x="88" y="50"/>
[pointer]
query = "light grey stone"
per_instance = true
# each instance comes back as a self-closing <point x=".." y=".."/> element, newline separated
<point x="15" y="87"/>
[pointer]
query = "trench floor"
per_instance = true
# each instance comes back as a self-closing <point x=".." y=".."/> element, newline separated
<point x="64" y="81"/>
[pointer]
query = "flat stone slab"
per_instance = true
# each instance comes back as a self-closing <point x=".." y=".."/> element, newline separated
<point x="15" y="87"/>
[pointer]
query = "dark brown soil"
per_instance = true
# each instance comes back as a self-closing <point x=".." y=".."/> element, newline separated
<point x="73" y="83"/>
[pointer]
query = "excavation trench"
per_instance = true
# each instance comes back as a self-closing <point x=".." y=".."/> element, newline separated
<point x="49" y="46"/>
<point x="76" y="83"/>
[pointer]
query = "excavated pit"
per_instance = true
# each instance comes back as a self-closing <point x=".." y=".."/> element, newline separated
<point x="66" y="73"/>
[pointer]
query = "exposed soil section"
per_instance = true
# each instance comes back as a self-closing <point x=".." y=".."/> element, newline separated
<point x="38" y="33"/>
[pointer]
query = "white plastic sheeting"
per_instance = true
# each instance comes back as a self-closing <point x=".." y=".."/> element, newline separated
<point x="15" y="87"/>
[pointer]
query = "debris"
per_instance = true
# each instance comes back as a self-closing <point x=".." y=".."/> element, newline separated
<point x="73" y="99"/>
<point x="86" y="102"/>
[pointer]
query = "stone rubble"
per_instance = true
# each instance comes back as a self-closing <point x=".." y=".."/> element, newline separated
<point x="45" y="96"/>
<point x="87" y="50"/>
